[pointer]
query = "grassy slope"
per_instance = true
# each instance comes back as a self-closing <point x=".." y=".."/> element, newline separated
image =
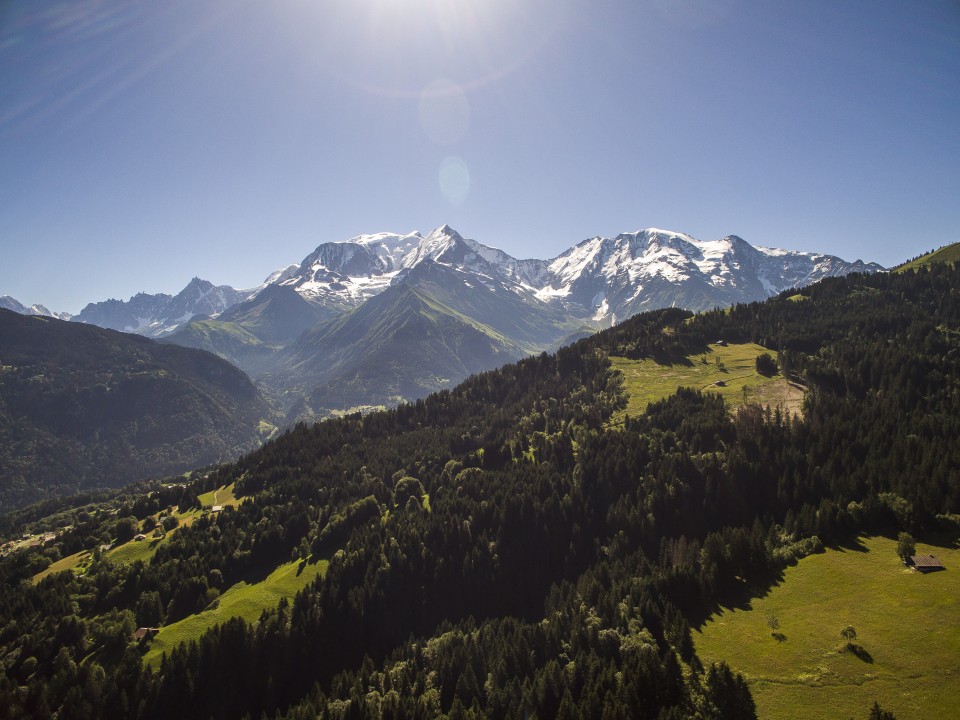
<point x="68" y="563"/>
<point x="217" y="332"/>
<point x="242" y="600"/>
<point x="647" y="381"/>
<point x="948" y="254"/>
<point x="908" y="622"/>
<point x="135" y="550"/>
<point x="221" y="496"/>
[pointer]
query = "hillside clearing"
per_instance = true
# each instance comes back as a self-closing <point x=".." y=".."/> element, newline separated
<point x="243" y="600"/>
<point x="946" y="254"/>
<point x="908" y="624"/>
<point x="67" y="563"/>
<point x="222" y="496"/>
<point x="728" y="370"/>
<point x="134" y="550"/>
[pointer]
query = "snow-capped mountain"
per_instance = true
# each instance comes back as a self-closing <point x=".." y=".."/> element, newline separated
<point x="600" y="281"/>
<point x="596" y="283"/>
<point x="346" y="274"/>
<point x="199" y="297"/>
<point x="388" y="316"/>
<point x="160" y="314"/>
<point x="9" y="303"/>
<point x="609" y="279"/>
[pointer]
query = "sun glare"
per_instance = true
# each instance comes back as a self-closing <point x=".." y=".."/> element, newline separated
<point x="398" y="47"/>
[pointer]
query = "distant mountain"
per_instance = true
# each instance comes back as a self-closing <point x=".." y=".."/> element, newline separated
<point x="523" y="306"/>
<point x="608" y="280"/>
<point x="161" y="314"/>
<point x="277" y="314"/>
<point x="599" y="281"/>
<point x="250" y="333"/>
<point x="134" y="315"/>
<point x="402" y="344"/>
<point x="83" y="407"/>
<point x="9" y="303"/>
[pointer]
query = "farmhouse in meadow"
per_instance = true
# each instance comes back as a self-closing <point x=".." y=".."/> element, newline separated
<point x="926" y="563"/>
<point x="145" y="633"/>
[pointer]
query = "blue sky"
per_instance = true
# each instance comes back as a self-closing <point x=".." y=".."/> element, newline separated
<point x="144" y="143"/>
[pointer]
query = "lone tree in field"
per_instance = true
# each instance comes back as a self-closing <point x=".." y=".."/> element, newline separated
<point x="766" y="365"/>
<point x="906" y="546"/>
<point x="848" y="634"/>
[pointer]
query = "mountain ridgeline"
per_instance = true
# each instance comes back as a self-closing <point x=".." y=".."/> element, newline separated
<point x="515" y="546"/>
<point x="343" y="298"/>
<point x="83" y="407"/>
<point x="523" y="307"/>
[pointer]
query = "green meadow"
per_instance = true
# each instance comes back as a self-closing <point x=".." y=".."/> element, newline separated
<point x="70" y="562"/>
<point x="244" y="600"/>
<point x="134" y="550"/>
<point x="728" y="370"/>
<point x="221" y="496"/>
<point x="907" y="624"/>
<point x="947" y="254"/>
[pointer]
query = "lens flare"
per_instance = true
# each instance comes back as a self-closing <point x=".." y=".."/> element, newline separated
<point x="454" y="179"/>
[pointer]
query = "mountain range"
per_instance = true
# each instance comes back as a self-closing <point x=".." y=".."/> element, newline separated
<point x="9" y="303"/>
<point x="386" y="317"/>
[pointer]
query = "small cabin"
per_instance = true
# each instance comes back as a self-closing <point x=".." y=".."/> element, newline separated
<point x="216" y="508"/>
<point x="926" y="563"/>
<point x="145" y="633"/>
<point x="140" y="538"/>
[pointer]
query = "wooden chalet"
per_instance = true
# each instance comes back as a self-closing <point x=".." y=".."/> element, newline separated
<point x="145" y="633"/>
<point x="926" y="563"/>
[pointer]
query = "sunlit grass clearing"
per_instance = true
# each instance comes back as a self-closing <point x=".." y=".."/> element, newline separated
<point x="242" y="600"/>
<point x="729" y="371"/>
<point x="908" y="622"/>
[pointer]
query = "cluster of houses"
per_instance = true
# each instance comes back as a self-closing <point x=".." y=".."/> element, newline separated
<point x="28" y="540"/>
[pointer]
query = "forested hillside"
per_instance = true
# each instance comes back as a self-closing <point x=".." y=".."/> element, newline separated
<point x="82" y="407"/>
<point x="511" y="548"/>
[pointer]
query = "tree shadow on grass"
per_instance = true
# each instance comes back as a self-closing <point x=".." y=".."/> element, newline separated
<point x="860" y="652"/>
<point x="850" y="545"/>
<point x="255" y="573"/>
<point x="311" y="560"/>
<point x="738" y="597"/>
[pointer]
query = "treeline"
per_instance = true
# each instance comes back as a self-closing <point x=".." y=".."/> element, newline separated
<point x="501" y="550"/>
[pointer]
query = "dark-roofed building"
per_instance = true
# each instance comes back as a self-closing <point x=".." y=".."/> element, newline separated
<point x="926" y="563"/>
<point x="145" y="632"/>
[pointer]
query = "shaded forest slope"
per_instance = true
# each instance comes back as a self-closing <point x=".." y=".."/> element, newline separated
<point x="84" y="407"/>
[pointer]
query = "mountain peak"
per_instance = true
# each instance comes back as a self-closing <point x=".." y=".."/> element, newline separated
<point x="446" y="230"/>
